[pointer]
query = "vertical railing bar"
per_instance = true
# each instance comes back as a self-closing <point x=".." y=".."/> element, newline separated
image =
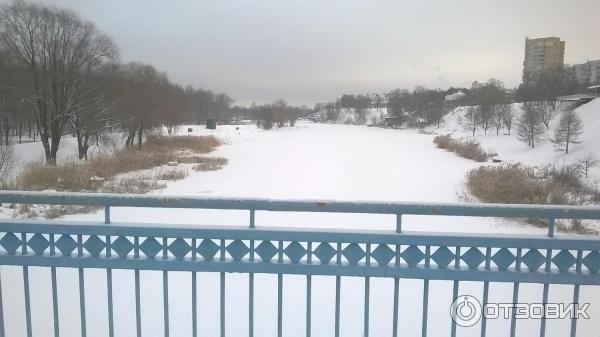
<point x="279" y="305"/>
<point x="27" y="300"/>
<point x="1" y="309"/>
<point x="165" y="289"/>
<point x="81" y="287"/>
<point x="109" y="292"/>
<point x="515" y="300"/>
<point x="26" y="286"/>
<point x="166" y="302"/>
<point x="543" y="318"/>
<point x="251" y="304"/>
<point x="251" y="281"/>
<point x="425" y="294"/>
<point x="222" y="293"/>
<point x="107" y="214"/>
<point x="425" y="304"/>
<point x="455" y="286"/>
<point x="513" y="319"/>
<point x="551" y="225"/>
<point x="574" y="313"/>
<point x="280" y="293"/>
<point x="54" y="290"/>
<point x="486" y="289"/>
<point x="396" y="294"/>
<point x="576" y="295"/>
<point x="308" y="290"/>
<point x="367" y="290"/>
<point x="194" y="291"/>
<point x="338" y="281"/>
<point x="399" y="223"/>
<point x="138" y="311"/>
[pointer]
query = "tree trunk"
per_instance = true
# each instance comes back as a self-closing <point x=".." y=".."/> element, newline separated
<point x="82" y="144"/>
<point x="140" y="135"/>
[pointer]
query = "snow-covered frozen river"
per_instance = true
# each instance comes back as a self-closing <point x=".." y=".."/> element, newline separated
<point x="310" y="161"/>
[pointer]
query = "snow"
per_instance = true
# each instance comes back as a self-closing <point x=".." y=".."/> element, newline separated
<point x="309" y="161"/>
<point x="510" y="148"/>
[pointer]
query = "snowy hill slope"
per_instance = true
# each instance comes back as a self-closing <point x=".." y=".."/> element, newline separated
<point x="350" y="116"/>
<point x="510" y="148"/>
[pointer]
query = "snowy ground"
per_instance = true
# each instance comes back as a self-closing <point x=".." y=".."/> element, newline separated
<point x="510" y="148"/>
<point x="310" y="161"/>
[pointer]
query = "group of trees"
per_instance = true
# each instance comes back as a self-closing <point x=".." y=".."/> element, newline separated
<point x="539" y="105"/>
<point x="405" y="106"/>
<point x="59" y="75"/>
<point x="278" y="113"/>
<point x="488" y="106"/>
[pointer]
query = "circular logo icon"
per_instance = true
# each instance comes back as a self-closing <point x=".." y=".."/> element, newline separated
<point x="465" y="310"/>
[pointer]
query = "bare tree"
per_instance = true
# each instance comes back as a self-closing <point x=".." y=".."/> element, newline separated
<point x="6" y="162"/>
<point x="58" y="50"/>
<point x="142" y="99"/>
<point x="508" y="116"/>
<point x="530" y="128"/>
<point x="498" y="116"/>
<point x="588" y="161"/>
<point x="546" y="111"/>
<point x="472" y="118"/>
<point x="568" y="131"/>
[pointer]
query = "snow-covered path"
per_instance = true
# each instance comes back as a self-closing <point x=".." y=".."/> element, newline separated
<point x="310" y="161"/>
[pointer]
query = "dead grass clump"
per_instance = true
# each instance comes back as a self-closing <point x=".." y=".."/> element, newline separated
<point x="139" y="183"/>
<point x="199" y="144"/>
<point x="210" y="163"/>
<point x="518" y="184"/>
<point x="469" y="149"/>
<point x="443" y="141"/>
<point x="509" y="184"/>
<point x="128" y="160"/>
<point x="92" y="175"/>
<point x="172" y="174"/>
<point x="67" y="176"/>
<point x="54" y="212"/>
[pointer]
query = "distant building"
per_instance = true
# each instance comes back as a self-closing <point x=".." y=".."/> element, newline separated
<point x="587" y="73"/>
<point x="542" y="54"/>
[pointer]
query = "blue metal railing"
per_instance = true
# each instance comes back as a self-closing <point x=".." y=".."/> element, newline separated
<point x="547" y="260"/>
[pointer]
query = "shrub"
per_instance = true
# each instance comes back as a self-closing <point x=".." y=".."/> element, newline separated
<point x="80" y="176"/>
<point x="518" y="184"/>
<point x="509" y="184"/>
<point x="210" y="164"/>
<point x="172" y="174"/>
<point x="469" y="149"/>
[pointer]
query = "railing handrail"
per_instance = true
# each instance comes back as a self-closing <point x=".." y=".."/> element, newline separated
<point x="290" y="205"/>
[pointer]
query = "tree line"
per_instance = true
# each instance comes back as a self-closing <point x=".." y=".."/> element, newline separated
<point x="60" y="76"/>
<point x="488" y="106"/>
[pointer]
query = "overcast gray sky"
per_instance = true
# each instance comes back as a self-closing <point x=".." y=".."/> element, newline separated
<point x="308" y="51"/>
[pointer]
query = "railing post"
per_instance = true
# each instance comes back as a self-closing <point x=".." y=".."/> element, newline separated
<point x="106" y="214"/>
<point x="252" y="225"/>
<point x="551" y="222"/>
<point x="399" y="223"/>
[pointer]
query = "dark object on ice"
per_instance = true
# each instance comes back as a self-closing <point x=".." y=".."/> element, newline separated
<point x="189" y="129"/>
<point x="496" y="160"/>
<point x="211" y="123"/>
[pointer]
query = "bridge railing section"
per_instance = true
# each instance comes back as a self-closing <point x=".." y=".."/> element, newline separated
<point x="394" y="254"/>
